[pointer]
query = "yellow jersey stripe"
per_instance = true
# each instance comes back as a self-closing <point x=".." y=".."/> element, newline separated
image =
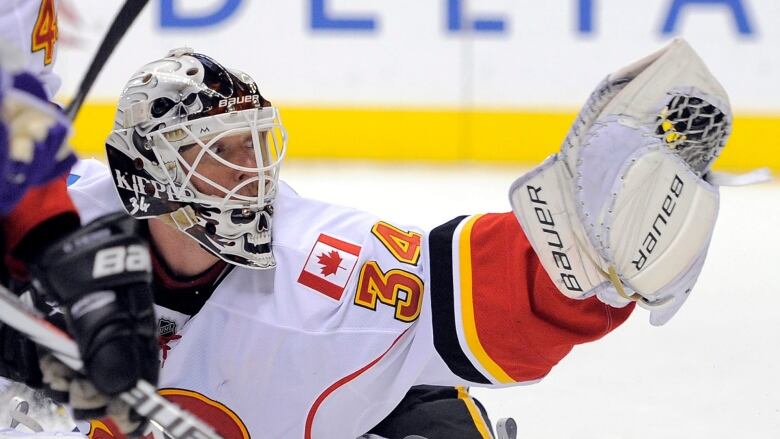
<point x="476" y="415"/>
<point x="467" y="306"/>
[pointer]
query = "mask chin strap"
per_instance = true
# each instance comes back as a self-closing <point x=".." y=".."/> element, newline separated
<point x="182" y="218"/>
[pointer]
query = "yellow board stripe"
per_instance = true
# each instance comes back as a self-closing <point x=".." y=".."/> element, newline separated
<point x="476" y="415"/>
<point x="436" y="134"/>
<point x="467" y="306"/>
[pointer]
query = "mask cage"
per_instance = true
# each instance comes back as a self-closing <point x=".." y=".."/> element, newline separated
<point x="268" y="143"/>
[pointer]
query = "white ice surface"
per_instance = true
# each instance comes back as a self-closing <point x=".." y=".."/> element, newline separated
<point x="712" y="372"/>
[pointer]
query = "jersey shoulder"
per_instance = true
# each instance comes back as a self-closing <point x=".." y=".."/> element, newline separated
<point x="364" y="272"/>
<point x="299" y="221"/>
<point x="92" y="190"/>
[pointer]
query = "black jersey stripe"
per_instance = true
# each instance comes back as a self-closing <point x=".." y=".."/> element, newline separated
<point x="445" y="335"/>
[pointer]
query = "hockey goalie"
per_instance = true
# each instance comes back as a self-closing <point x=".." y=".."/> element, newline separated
<point x="281" y="316"/>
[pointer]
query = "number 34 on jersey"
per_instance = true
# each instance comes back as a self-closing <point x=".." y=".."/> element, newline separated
<point x="396" y="287"/>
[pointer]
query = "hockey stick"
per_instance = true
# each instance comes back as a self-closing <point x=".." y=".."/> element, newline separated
<point x="122" y="22"/>
<point x="143" y="399"/>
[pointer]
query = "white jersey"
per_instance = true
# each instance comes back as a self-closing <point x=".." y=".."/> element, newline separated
<point x="30" y="26"/>
<point x="355" y="313"/>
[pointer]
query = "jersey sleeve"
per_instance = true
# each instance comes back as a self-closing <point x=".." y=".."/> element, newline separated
<point x="496" y="316"/>
<point x="44" y="213"/>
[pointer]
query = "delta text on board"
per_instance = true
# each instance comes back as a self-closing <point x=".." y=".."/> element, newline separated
<point x="322" y="18"/>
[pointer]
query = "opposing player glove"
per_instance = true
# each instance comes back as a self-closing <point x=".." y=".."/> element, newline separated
<point x="100" y="277"/>
<point x="32" y="138"/>
<point x="625" y="211"/>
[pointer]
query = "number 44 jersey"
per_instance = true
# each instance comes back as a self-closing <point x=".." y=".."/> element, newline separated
<point x="356" y="312"/>
<point x="30" y="27"/>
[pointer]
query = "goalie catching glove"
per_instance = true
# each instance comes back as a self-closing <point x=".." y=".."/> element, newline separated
<point x="99" y="276"/>
<point x="625" y="210"/>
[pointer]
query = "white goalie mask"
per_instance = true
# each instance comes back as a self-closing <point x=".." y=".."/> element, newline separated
<point x="197" y="146"/>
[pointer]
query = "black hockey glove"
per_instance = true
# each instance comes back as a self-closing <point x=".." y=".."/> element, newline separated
<point x="100" y="277"/>
<point x="18" y="357"/>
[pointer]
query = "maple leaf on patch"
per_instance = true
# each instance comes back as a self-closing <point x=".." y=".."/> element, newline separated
<point x="330" y="262"/>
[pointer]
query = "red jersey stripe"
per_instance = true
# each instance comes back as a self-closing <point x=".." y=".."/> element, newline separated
<point x="332" y="388"/>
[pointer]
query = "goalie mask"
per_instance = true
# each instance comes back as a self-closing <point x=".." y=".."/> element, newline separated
<point x="197" y="146"/>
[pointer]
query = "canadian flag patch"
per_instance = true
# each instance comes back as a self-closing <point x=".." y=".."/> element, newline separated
<point x="329" y="266"/>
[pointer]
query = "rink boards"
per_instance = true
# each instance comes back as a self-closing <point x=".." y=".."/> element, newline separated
<point x="491" y="80"/>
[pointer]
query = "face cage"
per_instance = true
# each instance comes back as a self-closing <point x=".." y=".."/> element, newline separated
<point x="269" y="152"/>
